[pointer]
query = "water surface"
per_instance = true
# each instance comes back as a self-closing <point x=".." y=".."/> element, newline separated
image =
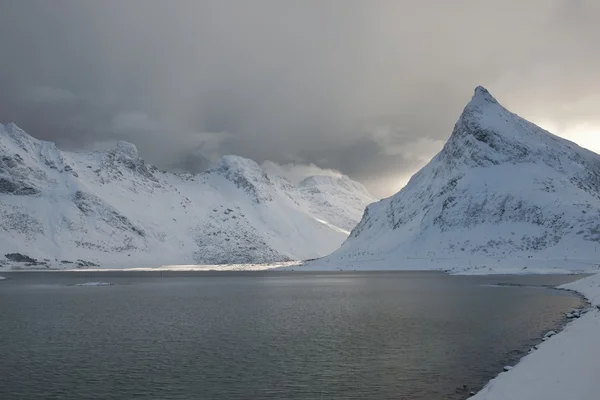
<point x="266" y="335"/>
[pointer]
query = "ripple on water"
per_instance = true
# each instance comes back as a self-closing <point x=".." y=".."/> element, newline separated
<point x="266" y="335"/>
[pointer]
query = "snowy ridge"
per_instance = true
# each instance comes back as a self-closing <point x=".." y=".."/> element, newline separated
<point x="111" y="209"/>
<point x="503" y="194"/>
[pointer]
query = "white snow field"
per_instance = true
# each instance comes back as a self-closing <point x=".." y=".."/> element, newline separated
<point x="112" y="210"/>
<point x="502" y="196"/>
<point x="565" y="366"/>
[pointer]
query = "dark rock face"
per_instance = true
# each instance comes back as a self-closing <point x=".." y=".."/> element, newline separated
<point x="10" y="187"/>
<point x="91" y="205"/>
<point x="14" y="176"/>
<point x="85" y="264"/>
<point x="18" y="257"/>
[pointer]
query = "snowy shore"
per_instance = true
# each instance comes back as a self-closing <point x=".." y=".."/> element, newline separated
<point x="158" y="268"/>
<point x="564" y="367"/>
<point x="480" y="265"/>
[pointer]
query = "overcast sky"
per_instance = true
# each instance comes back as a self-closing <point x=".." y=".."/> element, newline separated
<point x="371" y="88"/>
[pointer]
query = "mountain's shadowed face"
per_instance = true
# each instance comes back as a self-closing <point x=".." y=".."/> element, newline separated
<point x="369" y="88"/>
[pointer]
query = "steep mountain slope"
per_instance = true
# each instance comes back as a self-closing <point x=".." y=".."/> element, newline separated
<point x="112" y="209"/>
<point x="338" y="200"/>
<point x="502" y="193"/>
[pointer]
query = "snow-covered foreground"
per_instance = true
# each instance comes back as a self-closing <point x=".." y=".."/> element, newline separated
<point x="564" y="367"/>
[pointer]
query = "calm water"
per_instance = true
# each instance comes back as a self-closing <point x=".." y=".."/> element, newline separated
<point x="266" y="335"/>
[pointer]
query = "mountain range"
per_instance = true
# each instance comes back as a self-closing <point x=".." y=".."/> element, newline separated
<point x="112" y="209"/>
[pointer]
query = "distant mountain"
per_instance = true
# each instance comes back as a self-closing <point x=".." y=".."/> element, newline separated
<point x="338" y="200"/>
<point x="503" y="194"/>
<point x="114" y="210"/>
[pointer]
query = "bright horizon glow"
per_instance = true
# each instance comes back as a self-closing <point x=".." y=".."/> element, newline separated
<point x="584" y="134"/>
<point x="590" y="139"/>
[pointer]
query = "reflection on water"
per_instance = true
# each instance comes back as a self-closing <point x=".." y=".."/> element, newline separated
<point x="266" y="335"/>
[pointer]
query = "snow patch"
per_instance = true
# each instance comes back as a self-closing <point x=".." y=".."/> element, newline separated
<point x="94" y="284"/>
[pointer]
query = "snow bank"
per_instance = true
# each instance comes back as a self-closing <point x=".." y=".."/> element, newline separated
<point x="564" y="367"/>
<point x="94" y="284"/>
<point x="194" y="267"/>
<point x="476" y="265"/>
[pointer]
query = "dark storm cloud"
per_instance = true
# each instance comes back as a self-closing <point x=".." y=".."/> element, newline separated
<point x="371" y="88"/>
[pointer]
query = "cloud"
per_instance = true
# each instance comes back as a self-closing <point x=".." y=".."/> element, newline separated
<point x="297" y="171"/>
<point x="48" y="94"/>
<point x="369" y="88"/>
<point x="124" y="123"/>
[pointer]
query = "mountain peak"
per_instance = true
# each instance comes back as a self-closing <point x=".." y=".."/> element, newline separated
<point x="12" y="129"/>
<point x="246" y="174"/>
<point x="482" y="94"/>
<point x="17" y="136"/>
<point x="486" y="127"/>
<point x="501" y="188"/>
<point x="489" y="134"/>
<point x="237" y="163"/>
<point x="482" y="103"/>
<point x="127" y="149"/>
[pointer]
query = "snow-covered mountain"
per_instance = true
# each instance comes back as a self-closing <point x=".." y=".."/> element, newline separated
<point x="502" y="193"/>
<point x="338" y="200"/>
<point x="111" y="208"/>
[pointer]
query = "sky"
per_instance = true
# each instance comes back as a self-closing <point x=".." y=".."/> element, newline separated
<point x="368" y="88"/>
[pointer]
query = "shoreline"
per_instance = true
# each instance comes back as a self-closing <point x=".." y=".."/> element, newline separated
<point x="563" y="365"/>
<point x="581" y="311"/>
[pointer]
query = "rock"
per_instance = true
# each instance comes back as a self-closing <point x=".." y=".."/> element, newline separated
<point x="472" y="393"/>
<point x="18" y="257"/>
<point x="83" y="263"/>
<point x="550" y="334"/>
<point x="507" y="368"/>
